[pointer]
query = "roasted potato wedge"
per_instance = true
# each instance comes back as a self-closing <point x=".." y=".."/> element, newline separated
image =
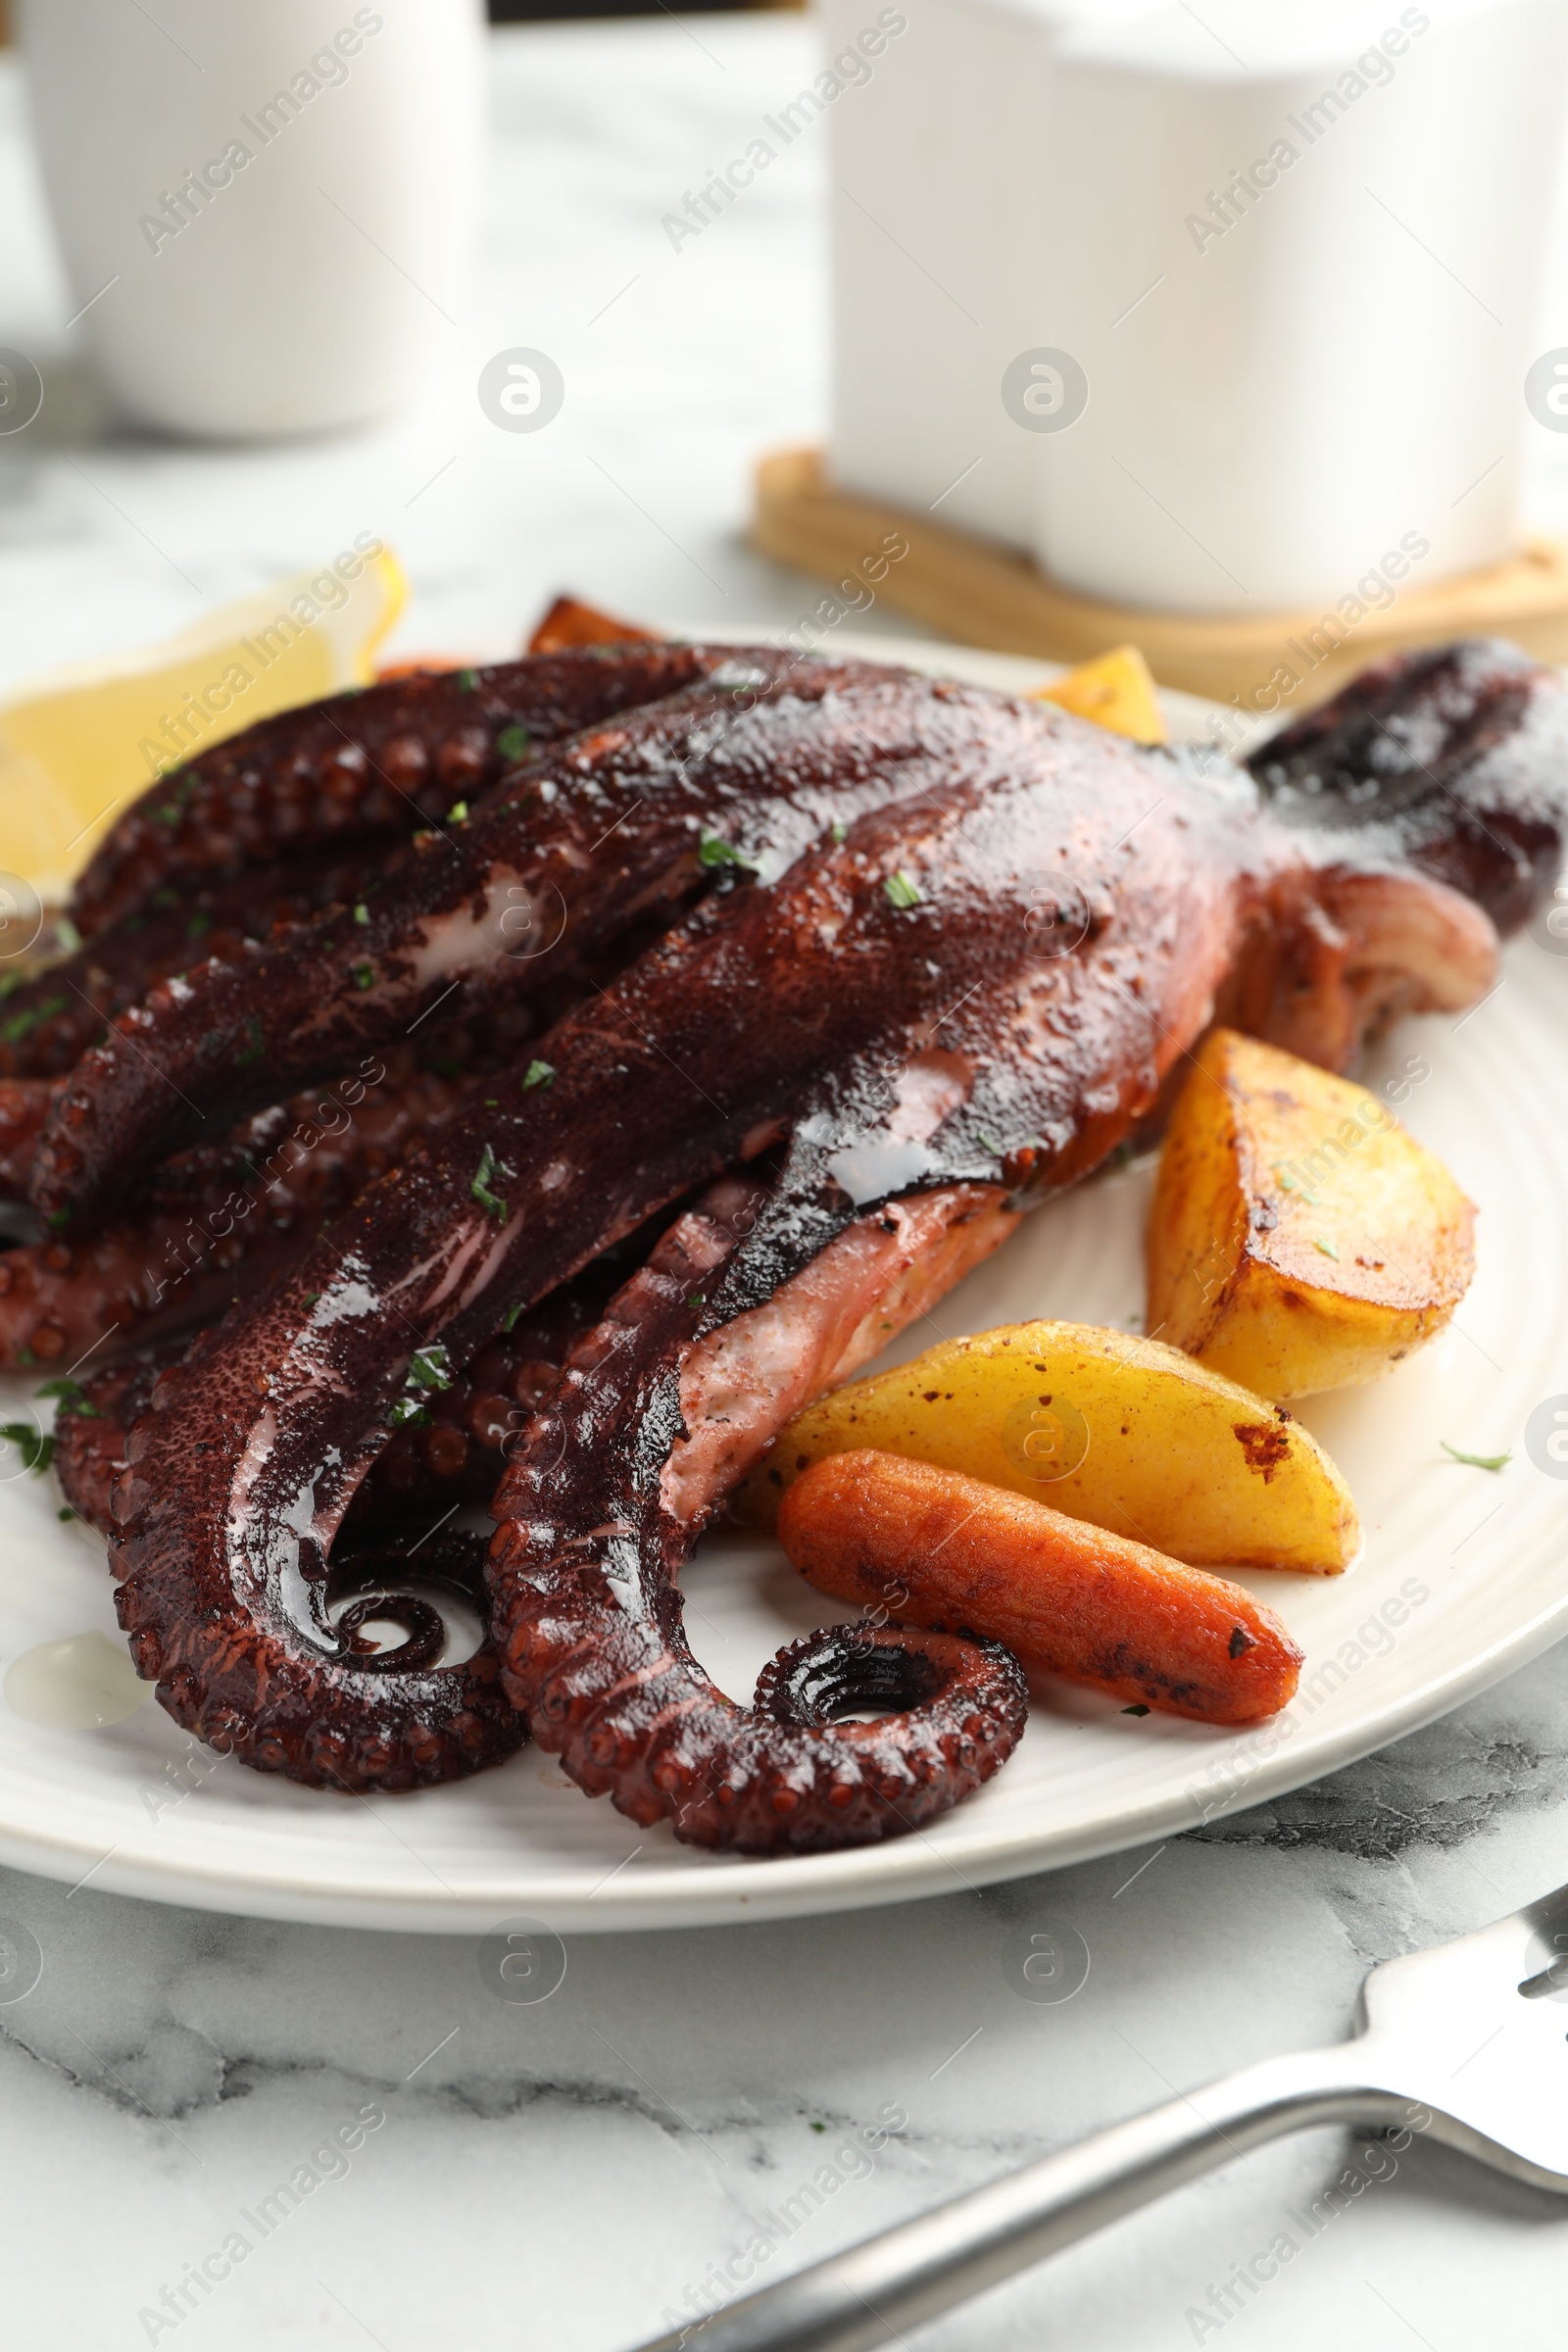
<point x="1101" y="1426"/>
<point x="929" y="1546"/>
<point x="1300" y="1239"/>
<point x="569" y="624"/>
<point x="1116" y="690"/>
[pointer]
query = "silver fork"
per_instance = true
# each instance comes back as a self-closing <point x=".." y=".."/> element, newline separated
<point x="1468" y="2043"/>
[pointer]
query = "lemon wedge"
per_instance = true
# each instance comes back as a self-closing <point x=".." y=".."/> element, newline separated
<point x="1116" y="690"/>
<point x="79" y="745"/>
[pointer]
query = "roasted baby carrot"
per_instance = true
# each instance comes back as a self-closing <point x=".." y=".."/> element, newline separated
<point x="928" y="1547"/>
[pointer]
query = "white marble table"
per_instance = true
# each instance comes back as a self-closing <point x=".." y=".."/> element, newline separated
<point x="553" y="2177"/>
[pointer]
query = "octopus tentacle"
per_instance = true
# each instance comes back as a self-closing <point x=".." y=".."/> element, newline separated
<point x="1449" y="761"/>
<point x="330" y="1711"/>
<point x="843" y="1668"/>
<point x="217" y="1224"/>
<point x="95" y="1421"/>
<point x="451" y="1452"/>
<point x="738" y="774"/>
<point x="587" y="1607"/>
<point x="52" y="1014"/>
<point x="380" y="761"/>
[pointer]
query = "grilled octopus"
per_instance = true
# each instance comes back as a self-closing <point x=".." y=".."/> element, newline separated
<point x="957" y="949"/>
<point x="365" y="765"/>
<point x="218" y="1221"/>
<point x="738" y="773"/>
<point x="300" y="813"/>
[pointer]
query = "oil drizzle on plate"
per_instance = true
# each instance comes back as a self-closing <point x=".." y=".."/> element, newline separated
<point x="79" y="1685"/>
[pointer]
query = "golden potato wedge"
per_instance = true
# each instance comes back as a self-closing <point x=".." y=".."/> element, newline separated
<point x="1116" y="690"/>
<point x="1300" y="1239"/>
<point x="1101" y="1426"/>
<point x="569" y="624"/>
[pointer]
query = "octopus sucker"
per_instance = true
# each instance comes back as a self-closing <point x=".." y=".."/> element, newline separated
<point x="25" y="1107"/>
<point x="948" y="953"/>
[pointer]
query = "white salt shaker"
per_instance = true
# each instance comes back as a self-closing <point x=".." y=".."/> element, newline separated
<point x="1210" y="310"/>
<point x="267" y="211"/>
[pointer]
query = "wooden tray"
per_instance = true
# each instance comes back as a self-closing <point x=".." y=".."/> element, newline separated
<point x="966" y="588"/>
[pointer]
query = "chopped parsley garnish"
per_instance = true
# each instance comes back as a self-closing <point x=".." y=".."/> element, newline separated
<point x="991" y="1144"/>
<point x="64" y="1512"/>
<point x="902" y="890"/>
<point x="513" y="742"/>
<point x="458" y="814"/>
<point x="489" y="1166"/>
<point x="10" y="981"/>
<point x="74" y="1398"/>
<point x="1328" y="1248"/>
<point x="310" y="1297"/>
<point x="256" y="1044"/>
<point x="199" y="922"/>
<point x="538" y="1073"/>
<point x="65" y="932"/>
<point x="1478" y="1461"/>
<point x="696" y="1298"/>
<point x="362" y="913"/>
<point x="429" y="1372"/>
<point x="37" y="1450"/>
<point x="364" y="975"/>
<point x="839" y="830"/>
<point x="511" y="1314"/>
<point x="58" y="1219"/>
<point x="468" y="680"/>
<point x="31" y="1016"/>
<point x="715" y="850"/>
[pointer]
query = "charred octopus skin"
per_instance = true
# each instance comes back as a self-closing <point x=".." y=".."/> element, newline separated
<point x="972" y="996"/>
<point x="52" y="1015"/>
<point x="601" y="1510"/>
<point x="215" y="1223"/>
<point x="450" y="1451"/>
<point x="734" y="776"/>
<point x="297" y="814"/>
<point x="1453" y="759"/>
<point x="1449" y="764"/>
<point x="371" y="764"/>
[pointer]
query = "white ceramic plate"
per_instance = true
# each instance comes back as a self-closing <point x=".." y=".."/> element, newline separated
<point x="1463" y="1577"/>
